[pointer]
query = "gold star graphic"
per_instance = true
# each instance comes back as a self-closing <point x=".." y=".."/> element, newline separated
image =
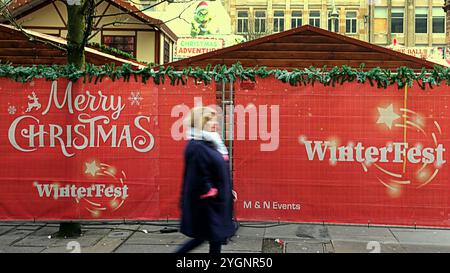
<point x="387" y="116"/>
<point x="91" y="168"/>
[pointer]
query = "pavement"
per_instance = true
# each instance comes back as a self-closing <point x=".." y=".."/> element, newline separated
<point x="251" y="237"/>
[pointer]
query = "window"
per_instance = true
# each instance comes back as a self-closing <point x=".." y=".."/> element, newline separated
<point x="166" y="52"/>
<point x="242" y="22"/>
<point x="380" y="20"/>
<point x="124" y="43"/>
<point x="296" y="19"/>
<point x="330" y="22"/>
<point x="438" y="20"/>
<point x="278" y="21"/>
<point x="421" y="24"/>
<point x="260" y="21"/>
<point x="314" y="18"/>
<point x="397" y="20"/>
<point x="350" y="22"/>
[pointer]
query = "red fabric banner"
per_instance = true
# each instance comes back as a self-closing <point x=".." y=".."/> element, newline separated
<point x="92" y="151"/>
<point x="340" y="155"/>
<point x="114" y="150"/>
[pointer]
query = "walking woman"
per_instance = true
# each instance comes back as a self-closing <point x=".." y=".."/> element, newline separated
<point x="207" y="195"/>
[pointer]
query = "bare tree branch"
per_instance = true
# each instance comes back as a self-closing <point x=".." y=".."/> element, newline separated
<point x="132" y="12"/>
<point x="8" y="16"/>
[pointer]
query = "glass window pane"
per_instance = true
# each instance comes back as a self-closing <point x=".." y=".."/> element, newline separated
<point x="260" y="14"/>
<point x="242" y="14"/>
<point x="438" y="11"/>
<point x="398" y="10"/>
<point x="380" y="13"/>
<point x="422" y="11"/>
<point x="278" y="14"/>
<point x="438" y="25"/>
<point x="397" y="25"/>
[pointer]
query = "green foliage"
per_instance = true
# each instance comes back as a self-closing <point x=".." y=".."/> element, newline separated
<point x="306" y="76"/>
<point x="112" y="51"/>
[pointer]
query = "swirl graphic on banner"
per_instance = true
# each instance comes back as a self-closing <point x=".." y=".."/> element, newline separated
<point x="110" y="194"/>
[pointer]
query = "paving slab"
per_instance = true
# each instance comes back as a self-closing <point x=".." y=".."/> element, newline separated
<point x="425" y="248"/>
<point x="58" y="249"/>
<point x="282" y="231"/>
<point x="422" y="237"/>
<point x="302" y="247"/>
<point x="30" y="227"/>
<point x="366" y="247"/>
<point x="13" y="236"/>
<point x="11" y="249"/>
<point x="5" y="229"/>
<point x="84" y="241"/>
<point x="47" y="231"/>
<point x="360" y="233"/>
<point x="248" y="231"/>
<point x="244" y="243"/>
<point x="156" y="238"/>
<point x="126" y="248"/>
<point x="33" y="240"/>
<point x="96" y="231"/>
<point x="105" y="245"/>
<point x="328" y="247"/>
<point x="152" y="229"/>
<point x="313" y="232"/>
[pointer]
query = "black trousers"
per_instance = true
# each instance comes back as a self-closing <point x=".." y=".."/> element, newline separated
<point x="214" y="247"/>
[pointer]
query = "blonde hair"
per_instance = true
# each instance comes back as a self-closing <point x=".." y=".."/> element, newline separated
<point x="199" y="116"/>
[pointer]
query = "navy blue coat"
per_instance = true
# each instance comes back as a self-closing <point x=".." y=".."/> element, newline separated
<point x="211" y="218"/>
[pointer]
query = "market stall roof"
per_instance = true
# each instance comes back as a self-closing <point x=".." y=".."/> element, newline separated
<point x="306" y="46"/>
<point x="20" y="8"/>
<point x="26" y="47"/>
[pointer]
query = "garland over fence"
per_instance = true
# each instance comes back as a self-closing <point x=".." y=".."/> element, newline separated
<point x="327" y="76"/>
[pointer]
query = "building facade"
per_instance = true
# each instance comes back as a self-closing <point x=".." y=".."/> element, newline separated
<point x="447" y="11"/>
<point x="411" y="22"/>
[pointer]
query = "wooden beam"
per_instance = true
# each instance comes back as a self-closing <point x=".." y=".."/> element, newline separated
<point x="59" y="13"/>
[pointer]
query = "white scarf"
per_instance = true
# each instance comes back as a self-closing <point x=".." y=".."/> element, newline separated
<point x="214" y="137"/>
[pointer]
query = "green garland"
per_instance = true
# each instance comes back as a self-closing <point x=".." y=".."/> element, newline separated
<point x="382" y="78"/>
<point x="111" y="50"/>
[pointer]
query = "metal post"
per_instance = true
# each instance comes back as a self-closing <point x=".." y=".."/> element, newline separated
<point x="222" y="121"/>
<point x="231" y="130"/>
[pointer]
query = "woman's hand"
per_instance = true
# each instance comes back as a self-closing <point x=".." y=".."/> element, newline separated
<point x="211" y="193"/>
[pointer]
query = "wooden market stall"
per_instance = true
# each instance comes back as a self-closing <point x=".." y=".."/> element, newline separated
<point x="303" y="47"/>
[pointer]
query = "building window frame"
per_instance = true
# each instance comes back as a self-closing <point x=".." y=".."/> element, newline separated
<point x="278" y="21"/>
<point x="242" y="22"/>
<point x="260" y="21"/>
<point x="118" y="42"/>
<point x="351" y="22"/>
<point x="421" y="20"/>
<point x="166" y="54"/>
<point x="398" y="20"/>
<point x="438" y="18"/>
<point x="380" y="20"/>
<point x="296" y="19"/>
<point x="314" y="18"/>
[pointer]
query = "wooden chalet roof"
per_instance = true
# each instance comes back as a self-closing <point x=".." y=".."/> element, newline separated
<point x="303" y="47"/>
<point x="34" y="48"/>
<point x="20" y="8"/>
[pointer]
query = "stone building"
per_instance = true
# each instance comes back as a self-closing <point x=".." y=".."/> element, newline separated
<point x="411" y="22"/>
